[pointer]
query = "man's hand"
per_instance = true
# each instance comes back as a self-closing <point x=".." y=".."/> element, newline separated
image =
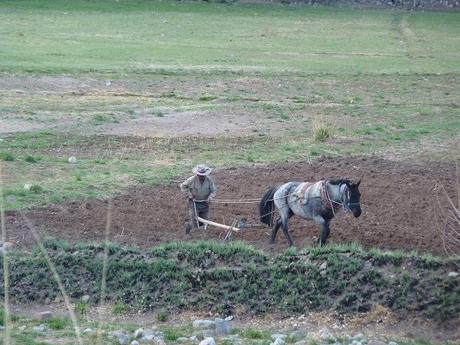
<point x="209" y="200"/>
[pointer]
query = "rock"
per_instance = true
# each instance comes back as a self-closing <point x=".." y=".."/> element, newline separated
<point x="302" y="342"/>
<point x="323" y="266"/>
<point x="193" y="338"/>
<point x="40" y="328"/>
<point x="325" y="335"/>
<point x="157" y="340"/>
<point x="134" y="342"/>
<point x="229" y="318"/>
<point x="368" y="265"/>
<point x="358" y="336"/>
<point x="185" y="340"/>
<point x="376" y="342"/>
<point x="278" y="341"/>
<point x="392" y="343"/>
<point x="297" y="335"/>
<point x="208" y="341"/>
<point x="139" y="333"/>
<point x="44" y="315"/>
<point x="23" y="328"/>
<point x="222" y="327"/>
<point x="278" y="336"/>
<point x="453" y="274"/>
<point x="121" y="336"/>
<point x="85" y="298"/>
<point x="356" y="342"/>
<point x="108" y="83"/>
<point x="27" y="186"/>
<point x="88" y="330"/>
<point x="72" y="160"/>
<point x="204" y="324"/>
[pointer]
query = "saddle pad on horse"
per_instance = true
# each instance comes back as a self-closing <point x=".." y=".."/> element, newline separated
<point x="308" y="190"/>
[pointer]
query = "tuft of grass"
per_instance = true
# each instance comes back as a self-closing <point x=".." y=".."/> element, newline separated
<point x="57" y="323"/>
<point x="119" y="308"/>
<point x="6" y="156"/>
<point x="321" y="130"/>
<point x="37" y="189"/>
<point x="207" y="98"/>
<point x="30" y="159"/>
<point x="162" y="316"/>
<point x="82" y="308"/>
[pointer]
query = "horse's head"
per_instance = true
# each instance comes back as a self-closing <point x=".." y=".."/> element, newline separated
<point x="352" y="198"/>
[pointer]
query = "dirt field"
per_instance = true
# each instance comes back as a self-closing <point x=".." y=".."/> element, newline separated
<point x="399" y="209"/>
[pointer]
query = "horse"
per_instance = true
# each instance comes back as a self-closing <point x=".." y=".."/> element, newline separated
<point x="318" y="201"/>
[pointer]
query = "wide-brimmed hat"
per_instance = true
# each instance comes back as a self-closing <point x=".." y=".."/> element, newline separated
<point x="202" y="170"/>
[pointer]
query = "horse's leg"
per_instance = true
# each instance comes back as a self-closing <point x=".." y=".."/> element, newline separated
<point x="285" y="220"/>
<point x="325" y="233"/>
<point x="325" y="229"/>
<point x="275" y="230"/>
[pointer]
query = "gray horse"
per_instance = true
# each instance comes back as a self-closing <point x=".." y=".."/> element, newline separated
<point x="318" y="201"/>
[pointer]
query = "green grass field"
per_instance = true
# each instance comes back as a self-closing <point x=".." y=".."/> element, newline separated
<point x="145" y="36"/>
<point x="371" y="81"/>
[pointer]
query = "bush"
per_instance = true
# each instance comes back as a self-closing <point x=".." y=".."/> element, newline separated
<point x="30" y="159"/>
<point x="6" y="156"/>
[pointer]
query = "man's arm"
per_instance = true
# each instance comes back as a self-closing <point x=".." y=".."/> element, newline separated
<point x="212" y="188"/>
<point x="185" y="187"/>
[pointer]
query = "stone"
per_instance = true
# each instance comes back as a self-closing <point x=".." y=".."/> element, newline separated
<point x="121" y="336"/>
<point x="358" y="336"/>
<point x="222" y="327"/>
<point x="40" y="328"/>
<point x="139" y="333"/>
<point x="134" y="342"/>
<point x="208" y="341"/>
<point x="278" y="341"/>
<point x="204" y="324"/>
<point x="44" y="315"/>
<point x="88" y="330"/>
<point x="453" y="274"/>
<point x="85" y="298"/>
<point x="297" y="335"/>
<point x="376" y="342"/>
<point x="326" y="335"/>
<point x="356" y="342"/>
<point x="323" y="266"/>
<point x="23" y="328"/>
<point x="185" y="340"/>
<point x="278" y="336"/>
<point x="157" y="340"/>
<point x="72" y="160"/>
<point x="27" y="186"/>
<point x="393" y="343"/>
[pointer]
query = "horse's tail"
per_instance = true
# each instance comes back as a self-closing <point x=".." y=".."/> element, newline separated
<point x="266" y="207"/>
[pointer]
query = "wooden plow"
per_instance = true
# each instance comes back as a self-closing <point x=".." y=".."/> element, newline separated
<point x="237" y="225"/>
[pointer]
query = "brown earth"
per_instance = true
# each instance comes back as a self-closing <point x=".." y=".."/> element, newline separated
<point x="400" y="208"/>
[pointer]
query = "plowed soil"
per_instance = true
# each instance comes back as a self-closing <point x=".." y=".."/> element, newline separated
<point x="399" y="202"/>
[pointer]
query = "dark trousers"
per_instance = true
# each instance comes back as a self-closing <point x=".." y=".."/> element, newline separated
<point x="200" y="209"/>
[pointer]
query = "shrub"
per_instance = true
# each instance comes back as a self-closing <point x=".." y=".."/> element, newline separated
<point x="30" y="159"/>
<point x="6" y="156"/>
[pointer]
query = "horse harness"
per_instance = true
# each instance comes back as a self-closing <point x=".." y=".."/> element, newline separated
<point x="303" y="193"/>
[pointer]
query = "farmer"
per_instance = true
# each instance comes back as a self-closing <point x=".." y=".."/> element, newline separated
<point x="199" y="190"/>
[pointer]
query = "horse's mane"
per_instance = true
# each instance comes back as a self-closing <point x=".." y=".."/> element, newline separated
<point x="340" y="181"/>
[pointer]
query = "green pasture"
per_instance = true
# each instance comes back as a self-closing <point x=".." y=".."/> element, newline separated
<point x="143" y="36"/>
<point x="329" y="81"/>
